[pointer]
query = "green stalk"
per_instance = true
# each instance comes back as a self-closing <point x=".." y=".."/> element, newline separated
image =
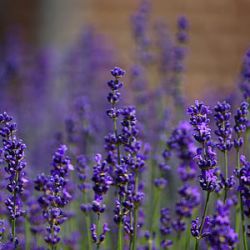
<point x="226" y="173"/>
<point x="27" y="234"/>
<point x="155" y="210"/>
<point x="196" y="244"/>
<point x="120" y="229"/>
<point x="13" y="222"/>
<point x="87" y="221"/>
<point x="243" y="224"/>
<point x="135" y="215"/>
<point x="240" y="212"/>
<point x="97" y="231"/>
<point x="187" y="238"/>
<point x="202" y="221"/>
<point x="120" y="237"/>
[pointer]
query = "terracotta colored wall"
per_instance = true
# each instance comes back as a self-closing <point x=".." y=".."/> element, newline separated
<point x="220" y="30"/>
<point x="220" y="34"/>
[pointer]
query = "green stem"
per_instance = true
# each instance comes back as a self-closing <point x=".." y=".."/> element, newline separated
<point x="120" y="237"/>
<point x="226" y="173"/>
<point x="27" y="234"/>
<point x="240" y="212"/>
<point x="135" y="215"/>
<point x="204" y="212"/>
<point x="13" y="222"/>
<point x="226" y="163"/>
<point x="155" y="212"/>
<point x="87" y="221"/>
<point x="196" y="244"/>
<point x="187" y="239"/>
<point x="97" y="231"/>
<point x="202" y="221"/>
<point x="120" y="231"/>
<point x="243" y="224"/>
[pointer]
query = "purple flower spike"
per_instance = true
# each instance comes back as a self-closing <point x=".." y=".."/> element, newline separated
<point x="205" y="155"/>
<point x="117" y="72"/>
<point x="13" y="154"/>
<point x="222" y="235"/>
<point x="241" y="123"/>
<point x="55" y="194"/>
<point x="224" y="130"/>
<point x="245" y="76"/>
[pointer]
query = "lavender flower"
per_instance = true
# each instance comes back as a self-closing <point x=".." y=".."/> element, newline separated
<point x="245" y="76"/>
<point x="140" y="29"/>
<point x="224" y="131"/>
<point x="13" y="155"/>
<point x="206" y="155"/>
<point x="55" y="195"/>
<point x="241" y="123"/>
<point x="182" y="143"/>
<point x="102" y="181"/>
<point x="243" y="175"/>
<point x="2" y="230"/>
<point x="199" y="230"/>
<point x="165" y="227"/>
<point x="183" y="26"/>
<point x="221" y="235"/>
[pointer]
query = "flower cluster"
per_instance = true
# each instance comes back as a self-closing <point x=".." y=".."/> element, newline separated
<point x="206" y="156"/>
<point x="165" y="227"/>
<point x="183" y="26"/>
<point x="55" y="195"/>
<point x="244" y="184"/>
<point x="221" y="235"/>
<point x="245" y="76"/>
<point x="241" y="123"/>
<point x="101" y="184"/>
<point x="181" y="142"/>
<point x="13" y="156"/>
<point x="224" y="131"/>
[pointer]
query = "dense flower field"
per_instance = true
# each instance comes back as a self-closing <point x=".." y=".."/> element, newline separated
<point x="157" y="174"/>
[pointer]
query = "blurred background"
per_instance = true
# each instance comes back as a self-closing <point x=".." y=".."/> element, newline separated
<point x="219" y="31"/>
<point x="54" y="51"/>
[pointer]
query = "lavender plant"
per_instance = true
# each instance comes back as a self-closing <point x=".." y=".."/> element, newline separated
<point x="123" y="197"/>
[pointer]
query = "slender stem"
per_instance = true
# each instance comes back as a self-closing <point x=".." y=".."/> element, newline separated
<point x="187" y="239"/>
<point x="116" y="133"/>
<point x="150" y="244"/>
<point x="240" y="211"/>
<point x="120" y="236"/>
<point x="226" y="163"/>
<point x="13" y="222"/>
<point x="204" y="213"/>
<point x="135" y="214"/>
<point x="238" y="158"/>
<point x="117" y="145"/>
<point x="196" y="244"/>
<point x="237" y="210"/>
<point x="155" y="211"/>
<point x="27" y="234"/>
<point x="226" y="173"/>
<point x="202" y="221"/>
<point x="87" y="222"/>
<point x="97" y="231"/>
<point x="243" y="224"/>
<point x="120" y="231"/>
<point x="155" y="205"/>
